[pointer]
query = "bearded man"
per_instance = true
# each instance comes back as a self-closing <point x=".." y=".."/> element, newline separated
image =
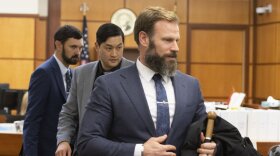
<point x="48" y="90"/>
<point x="145" y="109"/>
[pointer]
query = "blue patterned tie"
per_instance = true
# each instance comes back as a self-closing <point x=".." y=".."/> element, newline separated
<point x="68" y="77"/>
<point x="162" y="125"/>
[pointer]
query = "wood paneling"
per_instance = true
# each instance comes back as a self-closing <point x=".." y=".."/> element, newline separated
<point x="219" y="11"/>
<point x="182" y="67"/>
<point x="220" y="46"/>
<point x="168" y="4"/>
<point x="219" y="59"/>
<point x="264" y="147"/>
<point x="267" y="81"/>
<point x="251" y="44"/>
<point x="17" y="37"/>
<point x="277" y="53"/>
<point x="250" y="82"/>
<point x="53" y="23"/>
<point x="182" y="54"/>
<point x="40" y="42"/>
<point x="10" y="144"/>
<point x="38" y="63"/>
<point x="98" y="10"/>
<point x="217" y="80"/>
<point x="129" y="41"/>
<point x="266" y="44"/>
<point x="17" y="72"/>
<point x="269" y="17"/>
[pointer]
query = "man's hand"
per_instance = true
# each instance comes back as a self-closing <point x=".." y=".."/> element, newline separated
<point x="206" y="149"/>
<point x="153" y="147"/>
<point x="63" y="149"/>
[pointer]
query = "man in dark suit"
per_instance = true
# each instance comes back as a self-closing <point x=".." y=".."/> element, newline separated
<point x="109" y="46"/>
<point x="145" y="109"/>
<point x="48" y="92"/>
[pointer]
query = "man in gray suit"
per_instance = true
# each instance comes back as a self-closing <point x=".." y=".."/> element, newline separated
<point x="109" y="45"/>
<point x="147" y="108"/>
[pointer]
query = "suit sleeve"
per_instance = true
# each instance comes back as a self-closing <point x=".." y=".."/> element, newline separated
<point x="95" y="128"/>
<point x="69" y="117"/>
<point x="37" y="101"/>
<point x="201" y="110"/>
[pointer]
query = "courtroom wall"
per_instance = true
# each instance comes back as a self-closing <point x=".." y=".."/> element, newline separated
<point x="215" y="39"/>
<point x="22" y="48"/>
<point x="267" y="57"/>
<point x="218" y="42"/>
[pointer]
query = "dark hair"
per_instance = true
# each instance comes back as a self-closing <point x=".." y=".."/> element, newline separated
<point x="147" y="19"/>
<point x="108" y="30"/>
<point x="67" y="31"/>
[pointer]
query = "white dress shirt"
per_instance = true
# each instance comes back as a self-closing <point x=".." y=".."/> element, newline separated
<point x="63" y="70"/>
<point x="146" y="75"/>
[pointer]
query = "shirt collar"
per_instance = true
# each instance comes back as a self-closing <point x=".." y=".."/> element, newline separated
<point x="62" y="68"/>
<point x="147" y="73"/>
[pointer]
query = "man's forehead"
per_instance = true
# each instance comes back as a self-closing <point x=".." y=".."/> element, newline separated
<point x="114" y="40"/>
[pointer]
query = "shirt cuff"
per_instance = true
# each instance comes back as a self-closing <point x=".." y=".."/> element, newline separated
<point x="139" y="148"/>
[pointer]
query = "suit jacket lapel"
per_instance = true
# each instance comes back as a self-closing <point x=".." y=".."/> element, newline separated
<point x="89" y="77"/>
<point x="133" y="88"/>
<point x="58" y="77"/>
<point x="180" y="94"/>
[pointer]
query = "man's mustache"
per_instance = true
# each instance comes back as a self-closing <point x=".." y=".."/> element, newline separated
<point x="75" y="57"/>
<point x="172" y="54"/>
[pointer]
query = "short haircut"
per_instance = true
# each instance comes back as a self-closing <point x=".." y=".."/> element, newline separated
<point x="147" y="19"/>
<point x="67" y="31"/>
<point x="108" y="30"/>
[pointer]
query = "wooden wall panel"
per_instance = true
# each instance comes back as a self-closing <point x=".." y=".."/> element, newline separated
<point x="182" y="54"/>
<point x="251" y="11"/>
<point x="250" y="82"/>
<point x="129" y="41"/>
<point x="38" y="63"/>
<point x="269" y="17"/>
<point x="182" y="67"/>
<point x="17" y="37"/>
<point x="277" y="43"/>
<point x="251" y="44"/>
<point x="99" y="10"/>
<point x="216" y="80"/>
<point x="17" y="73"/>
<point x="168" y="4"/>
<point x="267" y="67"/>
<point x="266" y="44"/>
<point x="219" y="11"/>
<point x="223" y="46"/>
<point x="40" y="42"/>
<point x="267" y="81"/>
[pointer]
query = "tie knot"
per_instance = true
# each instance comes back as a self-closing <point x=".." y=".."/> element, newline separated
<point x="157" y="77"/>
<point x="68" y="74"/>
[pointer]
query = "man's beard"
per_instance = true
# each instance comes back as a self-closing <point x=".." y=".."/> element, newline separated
<point x="72" y="60"/>
<point x="158" y="64"/>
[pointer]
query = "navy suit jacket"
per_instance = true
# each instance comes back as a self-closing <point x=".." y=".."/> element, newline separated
<point x="118" y="117"/>
<point x="46" y="97"/>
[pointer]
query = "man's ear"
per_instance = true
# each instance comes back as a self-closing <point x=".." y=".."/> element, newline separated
<point x="96" y="45"/>
<point x="58" y="45"/>
<point x="144" y="39"/>
<point x="97" y="49"/>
